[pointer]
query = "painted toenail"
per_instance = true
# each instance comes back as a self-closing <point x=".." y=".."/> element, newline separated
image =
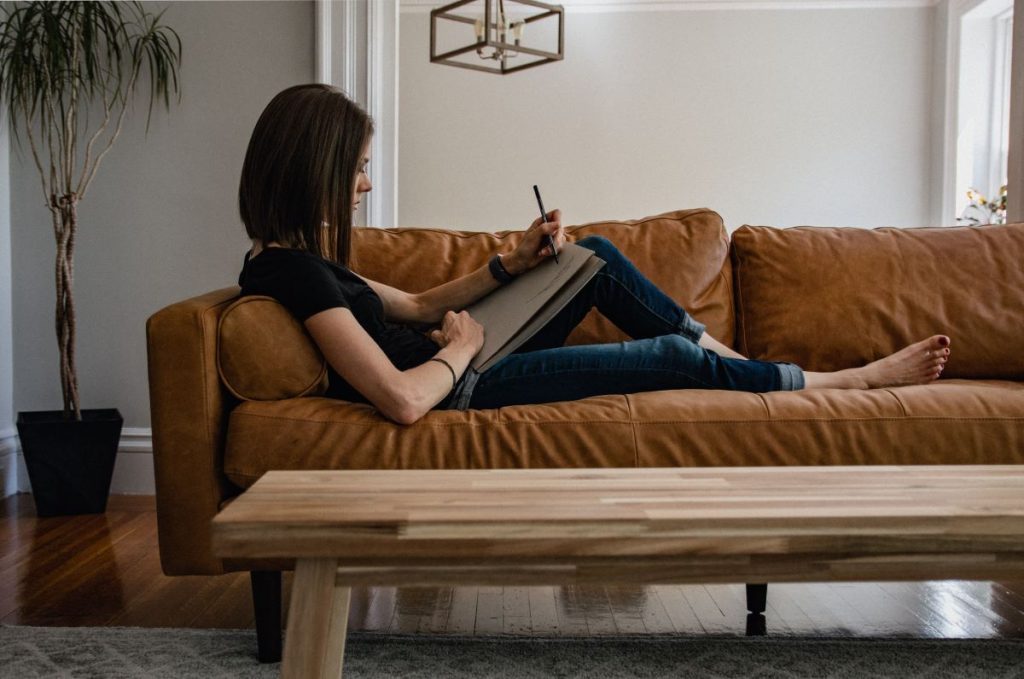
<point x="943" y="341"/>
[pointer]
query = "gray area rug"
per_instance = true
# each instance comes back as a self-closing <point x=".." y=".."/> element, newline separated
<point x="116" y="652"/>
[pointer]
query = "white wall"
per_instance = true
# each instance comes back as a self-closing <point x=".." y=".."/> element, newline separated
<point x="8" y="460"/>
<point x="160" y="221"/>
<point x="778" y="117"/>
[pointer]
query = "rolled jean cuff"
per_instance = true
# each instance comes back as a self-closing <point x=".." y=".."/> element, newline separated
<point x="464" y="392"/>
<point x="791" y="377"/>
<point x="691" y="329"/>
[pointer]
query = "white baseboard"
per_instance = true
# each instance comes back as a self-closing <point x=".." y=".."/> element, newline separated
<point x="9" y="461"/>
<point x="133" y="469"/>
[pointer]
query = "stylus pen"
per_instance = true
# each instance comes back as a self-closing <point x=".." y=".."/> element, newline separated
<point x="544" y="218"/>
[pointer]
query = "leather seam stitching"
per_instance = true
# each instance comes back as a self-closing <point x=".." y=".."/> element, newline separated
<point x="430" y="424"/>
<point x="575" y="227"/>
<point x="560" y="422"/>
<point x="899" y="401"/>
<point x="632" y="429"/>
<point x="738" y="291"/>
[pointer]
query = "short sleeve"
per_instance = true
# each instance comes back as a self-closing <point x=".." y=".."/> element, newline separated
<point x="302" y="283"/>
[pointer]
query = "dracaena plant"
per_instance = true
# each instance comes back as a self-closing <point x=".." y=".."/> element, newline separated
<point x="58" y="60"/>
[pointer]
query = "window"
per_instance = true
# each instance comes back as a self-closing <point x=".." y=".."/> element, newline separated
<point x="983" y="102"/>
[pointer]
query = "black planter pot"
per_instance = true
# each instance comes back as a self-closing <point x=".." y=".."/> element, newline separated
<point x="70" y="462"/>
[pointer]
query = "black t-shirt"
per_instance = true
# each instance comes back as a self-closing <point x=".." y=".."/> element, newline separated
<point x="306" y="285"/>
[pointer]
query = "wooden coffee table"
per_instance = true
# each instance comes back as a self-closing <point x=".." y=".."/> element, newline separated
<point x="564" y="526"/>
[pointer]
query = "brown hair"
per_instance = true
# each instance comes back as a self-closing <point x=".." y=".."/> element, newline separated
<point x="300" y="170"/>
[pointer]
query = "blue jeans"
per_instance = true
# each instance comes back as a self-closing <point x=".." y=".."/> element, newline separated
<point x="663" y="353"/>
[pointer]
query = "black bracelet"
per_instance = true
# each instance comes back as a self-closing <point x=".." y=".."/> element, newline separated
<point x="450" y="368"/>
<point x="499" y="271"/>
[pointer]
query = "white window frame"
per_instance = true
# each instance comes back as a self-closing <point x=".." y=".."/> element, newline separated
<point x="357" y="51"/>
<point x="999" y="13"/>
<point x="999" y="122"/>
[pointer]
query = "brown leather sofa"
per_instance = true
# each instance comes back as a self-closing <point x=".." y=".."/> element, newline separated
<point x="234" y="382"/>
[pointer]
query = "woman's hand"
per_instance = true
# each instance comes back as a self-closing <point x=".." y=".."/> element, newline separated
<point x="533" y="248"/>
<point x="459" y="328"/>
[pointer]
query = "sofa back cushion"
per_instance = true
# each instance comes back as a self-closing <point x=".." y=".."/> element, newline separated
<point x="834" y="298"/>
<point x="265" y="354"/>
<point x="685" y="253"/>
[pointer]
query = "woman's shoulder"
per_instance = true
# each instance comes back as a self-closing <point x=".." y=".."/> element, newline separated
<point x="288" y="260"/>
<point x="295" y="266"/>
<point x="303" y="282"/>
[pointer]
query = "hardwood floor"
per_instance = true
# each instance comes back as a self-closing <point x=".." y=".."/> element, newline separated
<point x="105" y="570"/>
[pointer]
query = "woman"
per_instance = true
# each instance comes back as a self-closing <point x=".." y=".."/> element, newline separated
<point x="303" y="176"/>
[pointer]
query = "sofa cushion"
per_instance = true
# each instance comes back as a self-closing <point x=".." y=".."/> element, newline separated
<point x="685" y="253"/>
<point x="321" y="433"/>
<point x="833" y="298"/>
<point x="951" y="422"/>
<point x="954" y="422"/>
<point x="264" y="353"/>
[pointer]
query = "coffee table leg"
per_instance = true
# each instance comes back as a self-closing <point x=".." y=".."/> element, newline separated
<point x="317" y="622"/>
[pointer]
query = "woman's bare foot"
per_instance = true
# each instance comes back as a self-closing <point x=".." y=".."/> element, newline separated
<point x="920" y="363"/>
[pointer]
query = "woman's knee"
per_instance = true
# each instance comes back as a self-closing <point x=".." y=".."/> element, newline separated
<point x="672" y="353"/>
<point x="684" y="349"/>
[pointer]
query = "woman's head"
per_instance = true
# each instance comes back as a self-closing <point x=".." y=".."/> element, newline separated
<point x="303" y="170"/>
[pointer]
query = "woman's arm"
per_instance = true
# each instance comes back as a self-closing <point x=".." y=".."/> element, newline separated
<point x="530" y="252"/>
<point x="400" y="395"/>
<point x="399" y="306"/>
<point x="430" y="306"/>
<point x="459" y="293"/>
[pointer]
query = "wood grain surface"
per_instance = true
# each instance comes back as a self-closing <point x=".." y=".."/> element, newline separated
<point x="436" y="527"/>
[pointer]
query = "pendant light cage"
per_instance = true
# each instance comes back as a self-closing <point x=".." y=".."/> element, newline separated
<point x="499" y="31"/>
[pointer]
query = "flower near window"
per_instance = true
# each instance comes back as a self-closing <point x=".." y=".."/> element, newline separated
<point x="981" y="211"/>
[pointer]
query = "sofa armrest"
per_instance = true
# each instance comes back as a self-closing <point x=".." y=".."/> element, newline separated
<point x="189" y="410"/>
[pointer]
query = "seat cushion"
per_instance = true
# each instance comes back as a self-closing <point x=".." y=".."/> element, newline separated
<point x="834" y="298"/>
<point x="952" y="422"/>
<point x="322" y="433"/>
<point x="948" y="422"/>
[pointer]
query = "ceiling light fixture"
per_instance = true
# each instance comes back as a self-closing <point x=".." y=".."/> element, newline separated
<point x="499" y="36"/>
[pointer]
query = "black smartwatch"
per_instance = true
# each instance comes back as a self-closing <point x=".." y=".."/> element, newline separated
<point x="498" y="271"/>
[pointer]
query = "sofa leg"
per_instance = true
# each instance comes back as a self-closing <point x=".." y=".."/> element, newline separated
<point x="757" y="598"/>
<point x="757" y="626"/>
<point x="266" y="602"/>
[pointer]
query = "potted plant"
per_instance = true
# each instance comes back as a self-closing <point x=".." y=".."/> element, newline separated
<point x="56" y="60"/>
<point x="981" y="211"/>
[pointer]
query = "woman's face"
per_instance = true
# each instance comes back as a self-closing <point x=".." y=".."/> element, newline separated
<point x="362" y="179"/>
